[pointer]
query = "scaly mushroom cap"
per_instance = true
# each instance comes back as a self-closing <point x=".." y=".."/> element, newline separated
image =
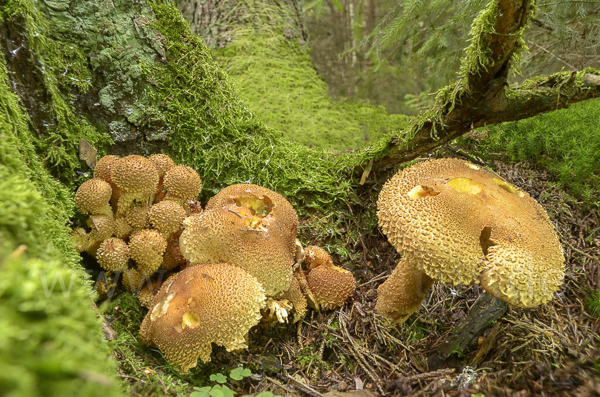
<point x="146" y="248"/>
<point x="93" y="197"/>
<point x="150" y="289"/>
<point x="330" y="285"/>
<point x="105" y="288"/>
<point x="315" y="256"/>
<point x="104" y="167"/>
<point x="113" y="254"/>
<point x="199" y="306"/>
<point x="103" y="227"/>
<point x="137" y="217"/>
<point x="138" y="179"/>
<point x="181" y="183"/>
<point x="166" y="217"/>
<point x="461" y="223"/>
<point x="132" y="280"/>
<point x="250" y="227"/>
<point x="122" y="229"/>
<point x="80" y="239"/>
<point x="162" y="162"/>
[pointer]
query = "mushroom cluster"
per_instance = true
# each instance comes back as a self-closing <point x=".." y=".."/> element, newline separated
<point x="239" y="260"/>
<point x="459" y="223"/>
<point x="137" y="206"/>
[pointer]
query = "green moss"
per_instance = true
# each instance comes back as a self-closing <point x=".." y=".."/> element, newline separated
<point x="277" y="81"/>
<point x="50" y="344"/>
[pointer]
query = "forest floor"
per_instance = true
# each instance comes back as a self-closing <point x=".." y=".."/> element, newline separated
<point x="550" y="350"/>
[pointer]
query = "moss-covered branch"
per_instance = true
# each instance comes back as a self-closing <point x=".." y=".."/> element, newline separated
<point x="481" y="95"/>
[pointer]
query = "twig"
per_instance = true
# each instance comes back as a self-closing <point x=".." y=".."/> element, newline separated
<point x="360" y="358"/>
<point x="426" y="375"/>
<point x="302" y="387"/>
<point x="581" y="252"/>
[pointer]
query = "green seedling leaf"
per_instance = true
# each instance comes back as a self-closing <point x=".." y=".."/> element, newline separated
<point x="219" y="378"/>
<point x="201" y="392"/>
<point x="240" y="373"/>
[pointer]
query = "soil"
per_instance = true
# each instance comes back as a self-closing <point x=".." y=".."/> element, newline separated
<point x="550" y="350"/>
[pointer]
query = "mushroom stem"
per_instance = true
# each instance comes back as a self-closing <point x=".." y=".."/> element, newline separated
<point x="402" y="292"/>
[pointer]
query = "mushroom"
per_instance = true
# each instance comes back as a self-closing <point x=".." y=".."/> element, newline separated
<point x="182" y="183"/>
<point x="103" y="227"/>
<point x="163" y="163"/>
<point x="132" y="280"/>
<point x="166" y="217"/>
<point x="122" y="229"/>
<point x="146" y="249"/>
<point x="113" y="254"/>
<point x="173" y="257"/>
<point x="137" y="217"/>
<point x="102" y="170"/>
<point x="330" y="285"/>
<point x="296" y="299"/>
<point x="138" y="179"/>
<point x="459" y="223"/>
<point x="93" y="197"/>
<point x="214" y="303"/>
<point x="247" y="226"/>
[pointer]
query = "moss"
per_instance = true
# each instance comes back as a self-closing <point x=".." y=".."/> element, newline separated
<point x="50" y="341"/>
<point x="277" y="81"/>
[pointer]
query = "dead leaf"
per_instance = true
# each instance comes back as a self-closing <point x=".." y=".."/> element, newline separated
<point x="88" y="153"/>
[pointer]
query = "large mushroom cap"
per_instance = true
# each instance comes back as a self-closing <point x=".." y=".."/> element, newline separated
<point x="250" y="227"/>
<point x="104" y="167"/>
<point x="93" y="197"/>
<point x="461" y="223"/>
<point x="199" y="306"/>
<point x="138" y="179"/>
<point x="162" y="162"/>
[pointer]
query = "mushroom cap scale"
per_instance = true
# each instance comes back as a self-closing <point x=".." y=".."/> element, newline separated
<point x="166" y="217"/>
<point x="461" y="223"/>
<point x="215" y="303"/>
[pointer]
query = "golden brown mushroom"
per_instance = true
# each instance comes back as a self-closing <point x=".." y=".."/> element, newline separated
<point x="113" y="254"/>
<point x="182" y="183"/>
<point x="102" y="171"/>
<point x="330" y="285"/>
<point x="138" y="179"/>
<point x="199" y="306"/>
<point x="460" y="223"/>
<point x="163" y="163"/>
<point x="146" y="248"/>
<point x="132" y="280"/>
<point x="166" y="217"/>
<point x="93" y="197"/>
<point x="137" y="217"/>
<point x="248" y="226"/>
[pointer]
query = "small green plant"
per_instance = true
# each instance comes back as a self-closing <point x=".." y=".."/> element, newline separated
<point x="592" y="304"/>
<point x="221" y="390"/>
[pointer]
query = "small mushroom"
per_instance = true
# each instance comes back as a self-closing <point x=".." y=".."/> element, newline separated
<point x="459" y="223"/>
<point x="137" y="217"/>
<point x="113" y="254"/>
<point x="330" y="285"/>
<point x="166" y="217"/>
<point x="137" y="177"/>
<point x="93" y="197"/>
<point x="182" y="183"/>
<point x="215" y="303"/>
<point x="102" y="170"/>
<point x="146" y="249"/>
<point x="163" y="163"/>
